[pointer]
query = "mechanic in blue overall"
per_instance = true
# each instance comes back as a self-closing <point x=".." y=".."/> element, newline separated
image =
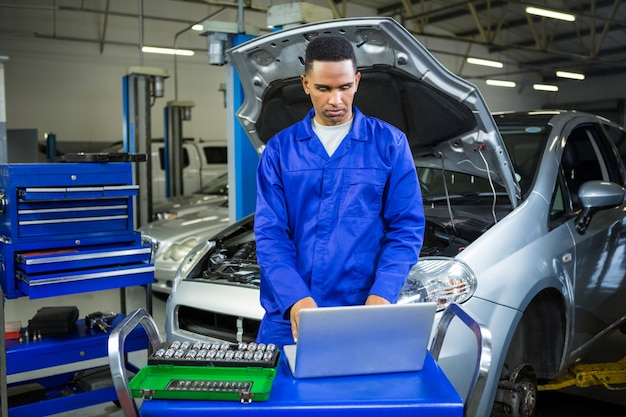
<point x="339" y="217"/>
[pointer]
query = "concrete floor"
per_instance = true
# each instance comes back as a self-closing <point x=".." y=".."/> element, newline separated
<point x="23" y="309"/>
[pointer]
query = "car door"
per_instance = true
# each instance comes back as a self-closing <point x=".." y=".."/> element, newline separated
<point x="600" y="252"/>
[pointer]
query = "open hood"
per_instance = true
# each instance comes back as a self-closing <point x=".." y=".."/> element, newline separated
<point x="444" y="117"/>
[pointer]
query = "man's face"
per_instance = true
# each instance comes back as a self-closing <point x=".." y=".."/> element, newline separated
<point x="331" y="86"/>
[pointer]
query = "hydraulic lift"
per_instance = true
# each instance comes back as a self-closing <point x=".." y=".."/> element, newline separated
<point x="611" y="375"/>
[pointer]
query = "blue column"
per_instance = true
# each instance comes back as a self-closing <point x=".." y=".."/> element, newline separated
<point x="242" y="157"/>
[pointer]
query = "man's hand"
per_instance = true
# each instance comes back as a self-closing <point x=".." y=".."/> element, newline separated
<point x="376" y="300"/>
<point x="294" y="314"/>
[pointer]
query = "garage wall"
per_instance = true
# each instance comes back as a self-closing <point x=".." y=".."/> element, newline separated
<point x="78" y="95"/>
<point x="56" y="83"/>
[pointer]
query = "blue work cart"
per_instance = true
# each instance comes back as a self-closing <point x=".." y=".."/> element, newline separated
<point x="426" y="393"/>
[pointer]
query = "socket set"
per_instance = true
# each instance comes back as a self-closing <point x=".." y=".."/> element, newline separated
<point x="203" y="383"/>
<point x="219" y="371"/>
<point x="216" y="354"/>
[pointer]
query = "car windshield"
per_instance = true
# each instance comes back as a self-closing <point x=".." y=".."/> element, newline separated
<point x="217" y="186"/>
<point x="524" y="141"/>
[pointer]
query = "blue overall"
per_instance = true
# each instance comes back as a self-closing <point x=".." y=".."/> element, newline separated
<point x="334" y="228"/>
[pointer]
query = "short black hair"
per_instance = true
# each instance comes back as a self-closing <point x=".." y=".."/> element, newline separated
<point x="328" y="48"/>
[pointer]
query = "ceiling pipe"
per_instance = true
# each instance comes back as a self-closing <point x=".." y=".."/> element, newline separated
<point x="140" y="32"/>
<point x="124" y="14"/>
<point x="240" y="16"/>
<point x="176" y="47"/>
<point x="104" y="26"/>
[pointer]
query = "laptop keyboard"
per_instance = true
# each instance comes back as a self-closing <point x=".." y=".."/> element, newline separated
<point x="224" y="354"/>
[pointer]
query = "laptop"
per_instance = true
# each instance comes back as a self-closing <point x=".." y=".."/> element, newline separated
<point x="361" y="340"/>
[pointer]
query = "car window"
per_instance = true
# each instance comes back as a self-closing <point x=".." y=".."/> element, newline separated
<point x="162" y="158"/>
<point x="215" y="154"/>
<point x="459" y="187"/>
<point x="583" y="160"/>
<point x="618" y="136"/>
<point x="559" y="207"/>
<point x="218" y="185"/>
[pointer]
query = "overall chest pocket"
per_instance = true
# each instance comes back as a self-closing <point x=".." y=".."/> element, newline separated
<point x="363" y="193"/>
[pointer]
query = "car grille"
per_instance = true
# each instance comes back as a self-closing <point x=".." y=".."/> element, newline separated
<point x="219" y="326"/>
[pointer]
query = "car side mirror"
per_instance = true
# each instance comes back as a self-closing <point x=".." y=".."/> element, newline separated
<point x="595" y="196"/>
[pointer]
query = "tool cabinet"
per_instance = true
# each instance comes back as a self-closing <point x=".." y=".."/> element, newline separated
<point x="67" y="228"/>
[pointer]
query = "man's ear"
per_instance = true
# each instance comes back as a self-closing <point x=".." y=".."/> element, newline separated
<point x="357" y="79"/>
<point x="304" y="82"/>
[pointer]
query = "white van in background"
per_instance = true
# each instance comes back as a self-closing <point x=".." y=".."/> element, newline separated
<point x="203" y="160"/>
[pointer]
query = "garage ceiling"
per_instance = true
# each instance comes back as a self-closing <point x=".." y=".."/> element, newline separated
<point x="594" y="44"/>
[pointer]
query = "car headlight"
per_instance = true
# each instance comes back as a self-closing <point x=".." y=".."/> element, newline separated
<point x="440" y="280"/>
<point x="192" y="264"/>
<point x="164" y="215"/>
<point x="177" y="251"/>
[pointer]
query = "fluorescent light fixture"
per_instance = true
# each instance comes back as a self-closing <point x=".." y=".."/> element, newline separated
<point x="550" y="13"/>
<point x="545" y="87"/>
<point x="571" y="75"/>
<point x="485" y="62"/>
<point x="199" y="27"/>
<point x="500" y="83"/>
<point x="167" y="51"/>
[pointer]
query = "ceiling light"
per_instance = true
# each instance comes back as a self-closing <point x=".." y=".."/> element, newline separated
<point x="500" y="83"/>
<point x="198" y="27"/>
<point x="550" y="13"/>
<point x="545" y="87"/>
<point x="485" y="62"/>
<point x="167" y="51"/>
<point x="572" y="75"/>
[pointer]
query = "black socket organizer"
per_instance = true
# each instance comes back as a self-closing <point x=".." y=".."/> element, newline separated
<point x="215" y="354"/>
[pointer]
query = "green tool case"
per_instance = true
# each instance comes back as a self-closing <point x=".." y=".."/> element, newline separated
<point x="208" y="371"/>
<point x="203" y="383"/>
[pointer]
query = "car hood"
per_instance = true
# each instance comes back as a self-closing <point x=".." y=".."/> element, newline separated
<point x="202" y="223"/>
<point x="190" y="200"/>
<point x="444" y="117"/>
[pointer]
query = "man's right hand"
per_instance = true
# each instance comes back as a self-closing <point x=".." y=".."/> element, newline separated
<point x="294" y="314"/>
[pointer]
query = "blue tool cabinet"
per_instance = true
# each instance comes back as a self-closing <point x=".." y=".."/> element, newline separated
<point x="67" y="228"/>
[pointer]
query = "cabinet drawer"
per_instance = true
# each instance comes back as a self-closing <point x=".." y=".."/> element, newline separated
<point x="74" y="216"/>
<point x="35" y="262"/>
<point x="78" y="281"/>
<point x="72" y="193"/>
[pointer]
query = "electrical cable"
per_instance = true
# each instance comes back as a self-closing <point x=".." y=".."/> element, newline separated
<point x="481" y="148"/>
<point x="445" y="189"/>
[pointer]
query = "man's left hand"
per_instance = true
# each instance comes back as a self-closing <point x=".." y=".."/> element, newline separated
<point x="376" y="300"/>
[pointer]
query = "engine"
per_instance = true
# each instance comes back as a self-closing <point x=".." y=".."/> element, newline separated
<point x="233" y="260"/>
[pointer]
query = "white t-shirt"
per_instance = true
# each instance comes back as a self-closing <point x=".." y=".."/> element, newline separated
<point x="331" y="136"/>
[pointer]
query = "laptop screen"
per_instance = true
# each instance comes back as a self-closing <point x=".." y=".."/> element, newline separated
<point x="359" y="340"/>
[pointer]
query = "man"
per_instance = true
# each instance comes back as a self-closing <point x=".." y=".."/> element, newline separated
<point x="339" y="217"/>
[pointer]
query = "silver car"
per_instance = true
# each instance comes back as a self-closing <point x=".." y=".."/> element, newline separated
<point x="213" y="194"/>
<point x="525" y="213"/>
<point x="172" y="239"/>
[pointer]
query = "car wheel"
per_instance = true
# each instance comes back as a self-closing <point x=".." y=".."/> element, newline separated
<point x="524" y="376"/>
<point x="517" y="393"/>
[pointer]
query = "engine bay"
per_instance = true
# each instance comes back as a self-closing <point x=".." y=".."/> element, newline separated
<point x="233" y="260"/>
